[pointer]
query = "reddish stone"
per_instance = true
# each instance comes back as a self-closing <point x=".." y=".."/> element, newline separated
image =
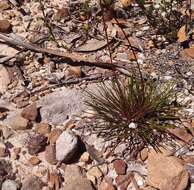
<point x="123" y="181"/>
<point x="120" y="167"/>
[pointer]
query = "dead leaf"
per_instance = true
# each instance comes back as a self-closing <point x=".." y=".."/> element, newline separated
<point x="54" y="181"/>
<point x="53" y="135"/>
<point x="189" y="52"/>
<point x="126" y="3"/>
<point x="34" y="160"/>
<point x="74" y="71"/>
<point x="131" y="56"/>
<point x="182" y="36"/>
<point x="92" y="45"/>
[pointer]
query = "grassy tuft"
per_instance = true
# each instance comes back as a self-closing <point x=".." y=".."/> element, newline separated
<point x="132" y="112"/>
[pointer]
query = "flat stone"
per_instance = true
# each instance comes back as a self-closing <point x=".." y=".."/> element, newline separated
<point x="50" y="154"/>
<point x="66" y="146"/>
<point x="60" y="105"/>
<point x="182" y="134"/>
<point x="16" y="122"/>
<point x="166" y="172"/>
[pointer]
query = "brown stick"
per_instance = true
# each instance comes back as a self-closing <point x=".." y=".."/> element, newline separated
<point x="68" y="57"/>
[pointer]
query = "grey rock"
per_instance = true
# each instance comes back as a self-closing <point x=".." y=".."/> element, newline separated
<point x="9" y="185"/>
<point x="58" y="106"/>
<point x="66" y="146"/>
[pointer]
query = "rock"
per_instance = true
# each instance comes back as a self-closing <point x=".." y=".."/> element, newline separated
<point x="4" y="5"/>
<point x="60" y="105"/>
<point x="4" y="78"/>
<point x="5" y="170"/>
<point x="85" y="157"/>
<point x="36" y="144"/>
<point x="95" y="171"/>
<point x="9" y="185"/>
<point x="182" y="134"/>
<point x="66" y="146"/>
<point x="30" y="112"/>
<point x="72" y="173"/>
<point x="3" y="152"/>
<point x="123" y="181"/>
<point x="7" y="132"/>
<point x="144" y="154"/>
<point x="166" y="172"/>
<point x="105" y="185"/>
<point x="79" y="184"/>
<point x="190" y="169"/>
<point x="50" y="154"/>
<point x="34" y="160"/>
<point x="5" y="26"/>
<point x="120" y="167"/>
<point x="43" y="128"/>
<point x="53" y="136"/>
<point x="16" y="122"/>
<point x="62" y="14"/>
<point x="32" y="183"/>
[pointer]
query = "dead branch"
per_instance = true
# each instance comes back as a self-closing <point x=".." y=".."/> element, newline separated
<point x="68" y="57"/>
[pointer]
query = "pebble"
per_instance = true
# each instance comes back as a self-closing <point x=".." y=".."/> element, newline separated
<point x="3" y="152"/>
<point x="16" y="122"/>
<point x="120" y="167"/>
<point x="66" y="146"/>
<point x="105" y="185"/>
<point x="85" y="157"/>
<point x="5" y="26"/>
<point x="30" y="112"/>
<point x="9" y="185"/>
<point x="43" y="128"/>
<point x="4" y="78"/>
<point x="4" y="5"/>
<point x="62" y="14"/>
<point x="36" y="144"/>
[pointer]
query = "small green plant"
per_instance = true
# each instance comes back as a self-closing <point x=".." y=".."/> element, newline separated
<point x="132" y="112"/>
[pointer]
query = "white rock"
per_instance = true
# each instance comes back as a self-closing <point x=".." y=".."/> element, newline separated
<point x="132" y="125"/>
<point x="66" y="146"/>
<point x="9" y="185"/>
